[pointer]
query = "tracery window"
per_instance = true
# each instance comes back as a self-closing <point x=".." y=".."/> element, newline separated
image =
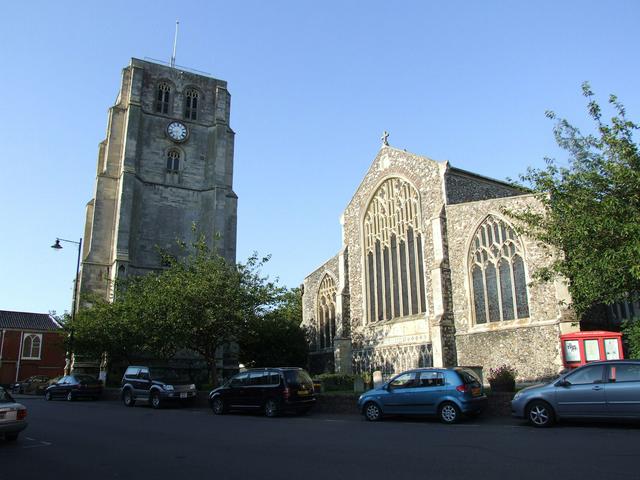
<point x="162" y="97"/>
<point x="326" y="312"/>
<point x="31" y="346"/>
<point x="191" y="105"/>
<point x="393" y="252"/>
<point x="499" y="287"/>
<point x="173" y="161"/>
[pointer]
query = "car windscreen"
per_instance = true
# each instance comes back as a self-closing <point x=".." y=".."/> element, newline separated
<point x="468" y="376"/>
<point x="168" y="375"/>
<point x="5" y="397"/>
<point x="296" y="378"/>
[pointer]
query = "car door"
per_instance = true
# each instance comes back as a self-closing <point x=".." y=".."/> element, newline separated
<point x="583" y="393"/>
<point x="399" y="392"/>
<point x="59" y="389"/>
<point x="255" y="391"/>
<point x="429" y="389"/>
<point x="623" y="390"/>
<point x="237" y="390"/>
<point x="142" y="383"/>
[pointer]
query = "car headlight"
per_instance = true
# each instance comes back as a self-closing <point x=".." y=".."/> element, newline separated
<point x="192" y="387"/>
<point x="517" y="395"/>
<point x="169" y="388"/>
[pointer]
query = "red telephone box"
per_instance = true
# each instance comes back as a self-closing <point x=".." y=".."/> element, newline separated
<point x="582" y="347"/>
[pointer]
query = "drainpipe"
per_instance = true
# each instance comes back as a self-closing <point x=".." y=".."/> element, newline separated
<point x="19" y="355"/>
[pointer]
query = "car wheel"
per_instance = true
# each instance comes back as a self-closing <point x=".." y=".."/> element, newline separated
<point x="155" y="400"/>
<point x="271" y="408"/>
<point x="70" y="397"/>
<point x="449" y="413"/>
<point x="217" y="405"/>
<point x="372" y="412"/>
<point x="127" y="398"/>
<point x="10" y="437"/>
<point x="47" y="396"/>
<point x="540" y="414"/>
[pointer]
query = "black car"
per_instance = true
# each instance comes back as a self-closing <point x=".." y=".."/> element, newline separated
<point x="74" y="386"/>
<point x="155" y="385"/>
<point x="271" y="390"/>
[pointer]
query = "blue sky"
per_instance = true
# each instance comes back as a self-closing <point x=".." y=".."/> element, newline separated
<point x="313" y="85"/>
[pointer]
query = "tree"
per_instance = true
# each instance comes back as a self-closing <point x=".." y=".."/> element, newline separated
<point x="591" y="208"/>
<point x="198" y="302"/>
<point x="275" y="338"/>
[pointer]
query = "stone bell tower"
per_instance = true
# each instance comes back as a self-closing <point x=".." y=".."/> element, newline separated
<point x="165" y="165"/>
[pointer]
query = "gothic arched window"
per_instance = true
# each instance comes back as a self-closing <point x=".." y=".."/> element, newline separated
<point x="31" y="346"/>
<point x="326" y="312"/>
<point x="393" y="252"/>
<point x="162" y="97"/>
<point x="191" y="104"/>
<point x="173" y="161"/>
<point x="496" y="259"/>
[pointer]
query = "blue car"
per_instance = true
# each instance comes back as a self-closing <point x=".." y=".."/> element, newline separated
<point x="609" y="389"/>
<point x="447" y="393"/>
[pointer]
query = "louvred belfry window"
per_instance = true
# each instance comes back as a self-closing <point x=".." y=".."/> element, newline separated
<point x="393" y="242"/>
<point x="191" y="105"/>
<point x="497" y="270"/>
<point x="162" y="97"/>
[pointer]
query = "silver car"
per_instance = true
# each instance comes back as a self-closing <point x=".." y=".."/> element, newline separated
<point x="609" y="389"/>
<point x="13" y="416"/>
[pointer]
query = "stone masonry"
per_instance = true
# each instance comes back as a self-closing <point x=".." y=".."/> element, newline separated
<point x="451" y="205"/>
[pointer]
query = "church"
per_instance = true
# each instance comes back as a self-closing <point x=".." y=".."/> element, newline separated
<point x="433" y="272"/>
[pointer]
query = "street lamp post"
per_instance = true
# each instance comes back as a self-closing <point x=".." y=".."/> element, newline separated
<point x="57" y="246"/>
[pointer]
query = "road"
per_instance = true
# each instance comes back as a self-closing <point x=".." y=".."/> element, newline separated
<point x="105" y="440"/>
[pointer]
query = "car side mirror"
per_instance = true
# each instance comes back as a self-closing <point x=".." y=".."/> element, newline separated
<point x="563" y="383"/>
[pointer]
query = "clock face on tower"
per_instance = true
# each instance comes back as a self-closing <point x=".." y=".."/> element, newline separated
<point x="177" y="131"/>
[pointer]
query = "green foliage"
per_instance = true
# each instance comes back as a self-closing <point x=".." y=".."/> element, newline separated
<point x="199" y="302"/>
<point x="631" y="329"/>
<point x="275" y="338"/>
<point x="337" y="382"/>
<point x="591" y="208"/>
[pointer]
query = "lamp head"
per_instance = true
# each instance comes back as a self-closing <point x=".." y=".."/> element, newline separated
<point x="57" y="245"/>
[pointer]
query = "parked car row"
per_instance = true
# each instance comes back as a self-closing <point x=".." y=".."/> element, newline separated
<point x="606" y="389"/>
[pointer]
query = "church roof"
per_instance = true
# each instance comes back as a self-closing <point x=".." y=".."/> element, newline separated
<point x="28" y="321"/>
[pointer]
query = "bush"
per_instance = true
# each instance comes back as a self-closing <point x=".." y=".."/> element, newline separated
<point x="503" y="373"/>
<point x="336" y="382"/>
<point x="631" y="329"/>
<point x="502" y="379"/>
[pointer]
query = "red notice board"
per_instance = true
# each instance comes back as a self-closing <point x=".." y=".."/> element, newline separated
<point x="579" y="348"/>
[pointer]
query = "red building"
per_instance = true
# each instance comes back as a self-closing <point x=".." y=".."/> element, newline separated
<point x="30" y="344"/>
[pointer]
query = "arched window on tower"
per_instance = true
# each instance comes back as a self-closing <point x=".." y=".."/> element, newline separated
<point x="173" y="161"/>
<point x="496" y="260"/>
<point x="191" y="104"/>
<point x="162" y="97"/>
<point x="326" y="307"/>
<point x="393" y="252"/>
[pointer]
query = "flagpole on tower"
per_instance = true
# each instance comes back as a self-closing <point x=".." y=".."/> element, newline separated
<point x="175" y="43"/>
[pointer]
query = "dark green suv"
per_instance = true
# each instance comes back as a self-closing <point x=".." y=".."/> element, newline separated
<point x="155" y="385"/>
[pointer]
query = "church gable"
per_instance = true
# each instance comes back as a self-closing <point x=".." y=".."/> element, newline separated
<point x="409" y="173"/>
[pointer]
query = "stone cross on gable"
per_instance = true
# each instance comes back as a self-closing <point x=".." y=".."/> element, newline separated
<point x="385" y="138"/>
